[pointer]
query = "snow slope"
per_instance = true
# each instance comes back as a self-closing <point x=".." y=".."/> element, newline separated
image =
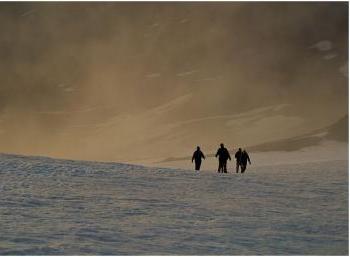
<point x="60" y="207"/>
<point x="325" y="151"/>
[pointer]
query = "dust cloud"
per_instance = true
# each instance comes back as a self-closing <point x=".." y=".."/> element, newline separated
<point x="137" y="81"/>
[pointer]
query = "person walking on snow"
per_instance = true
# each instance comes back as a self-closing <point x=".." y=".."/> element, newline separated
<point x="238" y="156"/>
<point x="197" y="157"/>
<point x="224" y="155"/>
<point x="244" y="159"/>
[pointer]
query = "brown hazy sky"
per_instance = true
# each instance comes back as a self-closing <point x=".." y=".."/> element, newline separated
<point x="132" y="81"/>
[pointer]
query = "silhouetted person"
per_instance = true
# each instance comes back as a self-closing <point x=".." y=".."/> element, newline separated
<point x="238" y="157"/>
<point x="197" y="157"/>
<point x="224" y="155"/>
<point x="244" y="159"/>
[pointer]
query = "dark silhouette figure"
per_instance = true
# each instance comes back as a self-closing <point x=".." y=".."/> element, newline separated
<point x="224" y="155"/>
<point x="238" y="157"/>
<point x="244" y="159"/>
<point x="197" y="157"/>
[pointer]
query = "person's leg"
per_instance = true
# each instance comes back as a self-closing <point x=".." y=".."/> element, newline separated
<point x="243" y="167"/>
<point x="219" y="168"/>
<point x="225" y="167"/>
<point x="237" y="167"/>
<point x="198" y="165"/>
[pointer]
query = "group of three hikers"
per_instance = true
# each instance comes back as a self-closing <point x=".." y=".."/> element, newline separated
<point x="242" y="158"/>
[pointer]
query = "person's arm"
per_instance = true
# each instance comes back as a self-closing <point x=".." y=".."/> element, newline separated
<point x="229" y="156"/>
<point x="217" y="153"/>
<point x="249" y="159"/>
<point x="193" y="156"/>
<point x="203" y="155"/>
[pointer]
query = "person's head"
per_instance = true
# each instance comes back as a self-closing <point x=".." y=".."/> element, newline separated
<point x="222" y="145"/>
<point x="240" y="149"/>
<point x="198" y="148"/>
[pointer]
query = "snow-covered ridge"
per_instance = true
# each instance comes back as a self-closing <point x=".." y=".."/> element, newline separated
<point x="33" y="160"/>
<point x="42" y="164"/>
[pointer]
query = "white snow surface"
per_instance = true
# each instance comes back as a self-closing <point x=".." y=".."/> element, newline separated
<point x="61" y="207"/>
